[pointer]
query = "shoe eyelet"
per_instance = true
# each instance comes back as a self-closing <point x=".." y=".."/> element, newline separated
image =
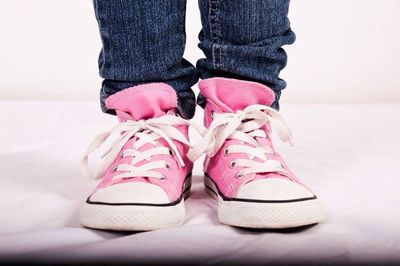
<point x="226" y="152"/>
<point x="163" y="178"/>
<point x="239" y="175"/>
<point x="167" y="166"/>
<point x="122" y="155"/>
<point x="171" y="153"/>
<point x="212" y="114"/>
<point x="232" y="164"/>
<point x="115" y="169"/>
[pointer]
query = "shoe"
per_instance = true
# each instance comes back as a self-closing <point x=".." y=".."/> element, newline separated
<point x="145" y="175"/>
<point x="252" y="183"/>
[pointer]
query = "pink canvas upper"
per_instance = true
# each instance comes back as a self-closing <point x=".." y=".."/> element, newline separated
<point x="226" y="96"/>
<point x="145" y="102"/>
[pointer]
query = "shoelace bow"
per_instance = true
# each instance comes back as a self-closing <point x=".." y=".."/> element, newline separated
<point x="146" y="131"/>
<point x="244" y="126"/>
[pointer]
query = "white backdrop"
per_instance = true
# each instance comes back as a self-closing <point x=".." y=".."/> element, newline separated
<point x="346" y="50"/>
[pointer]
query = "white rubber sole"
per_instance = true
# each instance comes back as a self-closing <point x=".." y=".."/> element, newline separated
<point x="132" y="218"/>
<point x="125" y="217"/>
<point x="255" y="214"/>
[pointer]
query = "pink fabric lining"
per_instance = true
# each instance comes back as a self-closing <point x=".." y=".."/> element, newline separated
<point x="231" y="95"/>
<point x="143" y="101"/>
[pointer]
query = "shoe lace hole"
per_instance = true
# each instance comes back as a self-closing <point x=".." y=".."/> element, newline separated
<point x="171" y="153"/>
<point x="239" y="175"/>
<point x="232" y="164"/>
<point x="226" y="152"/>
<point x="167" y="166"/>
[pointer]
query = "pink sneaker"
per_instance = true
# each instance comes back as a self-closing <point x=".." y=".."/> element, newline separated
<point x="253" y="185"/>
<point x="145" y="175"/>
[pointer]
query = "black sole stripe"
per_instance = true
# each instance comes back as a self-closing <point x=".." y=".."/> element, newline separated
<point x="211" y="190"/>
<point x="225" y="198"/>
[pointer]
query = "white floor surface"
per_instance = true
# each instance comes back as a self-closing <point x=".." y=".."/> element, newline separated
<point x="349" y="155"/>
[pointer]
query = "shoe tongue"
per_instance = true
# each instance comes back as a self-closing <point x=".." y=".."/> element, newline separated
<point x="231" y="95"/>
<point x="143" y="101"/>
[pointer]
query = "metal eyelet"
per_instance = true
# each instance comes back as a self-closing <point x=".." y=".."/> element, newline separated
<point x="212" y="114"/>
<point x="167" y="166"/>
<point x="226" y="152"/>
<point x="232" y="164"/>
<point x="122" y="155"/>
<point x="115" y="169"/>
<point x="163" y="178"/>
<point x="239" y="175"/>
<point x="171" y="153"/>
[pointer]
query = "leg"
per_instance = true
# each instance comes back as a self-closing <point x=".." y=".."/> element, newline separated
<point x="145" y="174"/>
<point x="143" y="42"/>
<point x="253" y="185"/>
<point x="244" y="39"/>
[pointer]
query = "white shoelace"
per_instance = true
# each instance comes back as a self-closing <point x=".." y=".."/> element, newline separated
<point x="244" y="126"/>
<point x="146" y="131"/>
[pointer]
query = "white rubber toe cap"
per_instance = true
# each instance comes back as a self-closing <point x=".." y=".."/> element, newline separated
<point x="273" y="189"/>
<point x="131" y="192"/>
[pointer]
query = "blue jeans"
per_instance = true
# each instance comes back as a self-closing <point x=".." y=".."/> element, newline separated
<point x="143" y="42"/>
